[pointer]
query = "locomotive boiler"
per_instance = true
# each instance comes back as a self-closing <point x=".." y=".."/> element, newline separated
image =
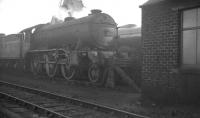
<point x="94" y="31"/>
<point x="82" y="46"/>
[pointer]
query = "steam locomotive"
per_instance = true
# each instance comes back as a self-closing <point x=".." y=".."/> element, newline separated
<point x="83" y="47"/>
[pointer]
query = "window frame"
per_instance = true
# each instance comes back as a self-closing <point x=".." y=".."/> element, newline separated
<point x="187" y="68"/>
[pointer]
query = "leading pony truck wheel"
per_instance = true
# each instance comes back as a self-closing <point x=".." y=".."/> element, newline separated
<point x="95" y="74"/>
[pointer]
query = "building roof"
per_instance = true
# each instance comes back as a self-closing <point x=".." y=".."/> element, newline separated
<point x="149" y="2"/>
<point x="129" y="32"/>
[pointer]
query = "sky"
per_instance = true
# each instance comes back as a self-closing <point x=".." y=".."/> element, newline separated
<point x="16" y="15"/>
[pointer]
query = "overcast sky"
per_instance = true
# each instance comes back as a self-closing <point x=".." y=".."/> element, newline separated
<point x="16" y="15"/>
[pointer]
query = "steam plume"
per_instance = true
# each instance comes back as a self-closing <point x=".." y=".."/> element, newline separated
<point x="72" y="6"/>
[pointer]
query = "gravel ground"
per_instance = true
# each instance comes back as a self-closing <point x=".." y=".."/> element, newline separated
<point x="120" y="99"/>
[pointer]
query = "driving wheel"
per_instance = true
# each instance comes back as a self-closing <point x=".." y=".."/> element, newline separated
<point x="68" y="71"/>
<point x="34" y="66"/>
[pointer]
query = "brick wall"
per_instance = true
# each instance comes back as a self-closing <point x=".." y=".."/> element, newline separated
<point x="161" y="77"/>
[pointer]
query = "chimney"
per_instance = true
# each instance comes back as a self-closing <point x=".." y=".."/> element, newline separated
<point x="69" y="19"/>
<point x="95" y="11"/>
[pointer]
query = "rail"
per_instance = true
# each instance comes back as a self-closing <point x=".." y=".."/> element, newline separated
<point x="84" y="104"/>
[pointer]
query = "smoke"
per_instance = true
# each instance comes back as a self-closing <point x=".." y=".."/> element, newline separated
<point x="0" y="3"/>
<point x="55" y="20"/>
<point x="71" y="6"/>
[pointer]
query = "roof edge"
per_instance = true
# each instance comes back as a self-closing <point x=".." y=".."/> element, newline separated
<point x="151" y="2"/>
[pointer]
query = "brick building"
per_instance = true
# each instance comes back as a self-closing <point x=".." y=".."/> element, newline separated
<point x="171" y="49"/>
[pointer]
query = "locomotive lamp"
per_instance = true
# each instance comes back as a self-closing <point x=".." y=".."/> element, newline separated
<point x="116" y="38"/>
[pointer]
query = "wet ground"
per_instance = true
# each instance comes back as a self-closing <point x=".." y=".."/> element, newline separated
<point x="121" y="99"/>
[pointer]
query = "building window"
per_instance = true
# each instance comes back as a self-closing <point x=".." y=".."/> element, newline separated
<point x="191" y="36"/>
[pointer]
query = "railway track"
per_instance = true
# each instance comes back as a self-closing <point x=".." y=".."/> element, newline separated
<point x="53" y="106"/>
<point x="10" y="109"/>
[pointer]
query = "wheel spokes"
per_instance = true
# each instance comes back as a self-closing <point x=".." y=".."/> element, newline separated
<point x="50" y="66"/>
<point x="94" y="73"/>
<point x="34" y="66"/>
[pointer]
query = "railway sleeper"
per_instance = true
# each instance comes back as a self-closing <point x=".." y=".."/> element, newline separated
<point x="66" y="100"/>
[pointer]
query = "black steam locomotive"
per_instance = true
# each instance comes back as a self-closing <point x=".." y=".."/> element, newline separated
<point x="84" y="46"/>
<point x="85" y="49"/>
